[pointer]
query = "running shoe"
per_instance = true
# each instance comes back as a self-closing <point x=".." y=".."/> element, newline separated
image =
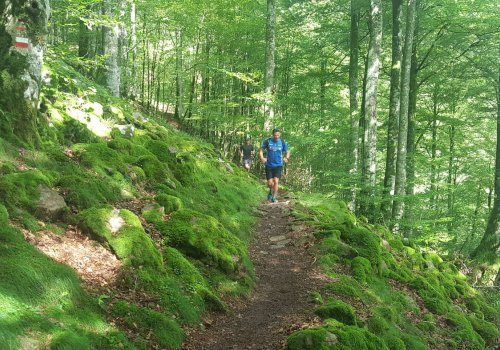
<point x="274" y="200"/>
<point x="270" y="196"/>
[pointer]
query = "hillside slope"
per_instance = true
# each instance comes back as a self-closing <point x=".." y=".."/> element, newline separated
<point x="385" y="292"/>
<point x="153" y="223"/>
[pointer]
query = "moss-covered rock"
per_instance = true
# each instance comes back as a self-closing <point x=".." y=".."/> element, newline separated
<point x="164" y="330"/>
<point x="366" y="243"/>
<point x="20" y="189"/>
<point x="85" y="191"/>
<point x="347" y="286"/>
<point x="337" y="310"/>
<point x="170" y="203"/>
<point x="100" y="158"/>
<point x="123" y="231"/>
<point x="4" y="215"/>
<point x="361" y="269"/>
<point x="335" y="246"/>
<point x="203" y="237"/>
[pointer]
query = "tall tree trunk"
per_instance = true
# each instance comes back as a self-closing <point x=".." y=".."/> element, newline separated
<point x="23" y="34"/>
<point x="400" y="185"/>
<point x="394" y="108"/>
<point x="353" y="103"/>
<point x="370" y="134"/>
<point x="133" y="44"/>
<point x="488" y="249"/>
<point x="111" y="35"/>
<point x="433" y="189"/>
<point x="451" y="180"/>
<point x="179" y="82"/>
<point x="270" y="63"/>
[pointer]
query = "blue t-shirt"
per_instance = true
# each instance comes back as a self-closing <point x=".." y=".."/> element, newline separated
<point x="275" y="151"/>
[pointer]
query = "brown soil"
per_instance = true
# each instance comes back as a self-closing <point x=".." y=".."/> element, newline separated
<point x="286" y="274"/>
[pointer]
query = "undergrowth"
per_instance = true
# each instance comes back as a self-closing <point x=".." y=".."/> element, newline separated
<point x="201" y="208"/>
<point x="387" y="293"/>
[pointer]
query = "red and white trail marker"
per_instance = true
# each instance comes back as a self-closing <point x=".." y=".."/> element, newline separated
<point x="21" y="41"/>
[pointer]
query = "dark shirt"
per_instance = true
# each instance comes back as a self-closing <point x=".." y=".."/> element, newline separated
<point x="247" y="151"/>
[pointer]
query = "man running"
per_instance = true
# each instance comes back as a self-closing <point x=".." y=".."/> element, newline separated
<point x="246" y="151"/>
<point x="275" y="148"/>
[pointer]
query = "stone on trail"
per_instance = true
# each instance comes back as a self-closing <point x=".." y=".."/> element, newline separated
<point x="277" y="238"/>
<point x="51" y="203"/>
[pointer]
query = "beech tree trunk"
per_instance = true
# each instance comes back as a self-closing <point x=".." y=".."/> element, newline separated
<point x="370" y="135"/>
<point x="270" y="64"/>
<point x="489" y="248"/>
<point x="394" y="108"/>
<point x="23" y="34"/>
<point x="400" y="185"/>
<point x="353" y="103"/>
<point x="111" y="50"/>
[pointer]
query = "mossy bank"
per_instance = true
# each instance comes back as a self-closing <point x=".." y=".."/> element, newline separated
<point x="174" y="213"/>
<point x="386" y="292"/>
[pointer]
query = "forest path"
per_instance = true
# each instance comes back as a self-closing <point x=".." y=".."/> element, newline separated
<point x="286" y="274"/>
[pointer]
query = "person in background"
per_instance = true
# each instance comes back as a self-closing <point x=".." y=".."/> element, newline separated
<point x="246" y="152"/>
<point x="274" y="147"/>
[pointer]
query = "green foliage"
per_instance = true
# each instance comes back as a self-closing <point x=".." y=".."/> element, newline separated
<point x="4" y="215"/>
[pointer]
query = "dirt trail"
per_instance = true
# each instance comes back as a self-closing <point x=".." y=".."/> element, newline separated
<point x="286" y="274"/>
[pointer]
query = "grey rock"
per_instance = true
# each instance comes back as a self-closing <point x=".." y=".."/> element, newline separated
<point x="429" y="264"/>
<point x="172" y="150"/>
<point x="127" y="130"/>
<point x="331" y="339"/>
<point x="51" y="203"/>
<point x="277" y="238"/>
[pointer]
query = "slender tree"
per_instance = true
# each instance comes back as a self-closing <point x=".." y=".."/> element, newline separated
<point x="353" y="102"/>
<point x="111" y="49"/>
<point x="370" y="132"/>
<point x="394" y="108"/>
<point x="270" y="63"/>
<point x="400" y="185"/>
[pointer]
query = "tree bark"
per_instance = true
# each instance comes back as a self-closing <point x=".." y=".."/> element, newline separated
<point x="270" y="64"/>
<point x="111" y="35"/>
<point x="179" y="82"/>
<point x="370" y="134"/>
<point x="394" y="108"/>
<point x="23" y="33"/>
<point x="400" y="185"/>
<point x="353" y="103"/>
<point x="488" y="249"/>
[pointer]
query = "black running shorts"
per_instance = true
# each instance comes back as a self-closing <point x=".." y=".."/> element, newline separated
<point x="273" y="172"/>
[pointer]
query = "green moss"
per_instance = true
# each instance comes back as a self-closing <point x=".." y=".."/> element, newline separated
<point x="170" y="203"/>
<point x="101" y="158"/>
<point x="20" y="190"/>
<point x="414" y="342"/>
<point x="463" y="331"/>
<point x="433" y="297"/>
<point x="155" y="171"/>
<point x="488" y="331"/>
<point x="86" y="191"/>
<point x="346" y="285"/>
<point x="351" y="337"/>
<point x="203" y="237"/>
<point x="150" y="324"/>
<point x="337" y="247"/>
<point x="4" y="215"/>
<point x="361" y="269"/>
<point x="123" y="231"/>
<point x="394" y="343"/>
<point x="337" y="310"/>
<point x="366" y="243"/>
<point x="315" y="298"/>
<point x="69" y="340"/>
<point x="308" y="339"/>
<point x="378" y="325"/>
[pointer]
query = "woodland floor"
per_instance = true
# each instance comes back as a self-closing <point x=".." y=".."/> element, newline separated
<point x="286" y="274"/>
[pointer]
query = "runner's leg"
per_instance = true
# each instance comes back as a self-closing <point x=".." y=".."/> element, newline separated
<point x="275" y="187"/>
